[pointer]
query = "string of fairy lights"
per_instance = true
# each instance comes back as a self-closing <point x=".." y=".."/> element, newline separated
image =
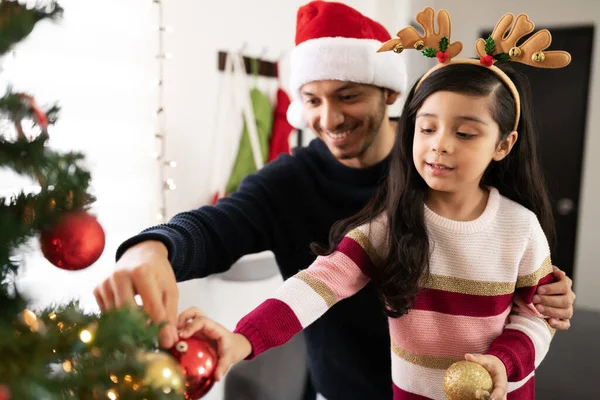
<point x="167" y="184"/>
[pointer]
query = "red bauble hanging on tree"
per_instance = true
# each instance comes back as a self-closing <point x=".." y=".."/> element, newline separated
<point x="4" y="393"/>
<point x="75" y="243"/>
<point x="198" y="360"/>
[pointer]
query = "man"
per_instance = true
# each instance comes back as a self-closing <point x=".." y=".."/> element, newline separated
<point x="341" y="89"/>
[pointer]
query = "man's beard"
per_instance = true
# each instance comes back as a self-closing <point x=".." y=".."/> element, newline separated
<point x="371" y="132"/>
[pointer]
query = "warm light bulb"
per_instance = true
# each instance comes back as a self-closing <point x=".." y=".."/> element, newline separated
<point x="85" y="336"/>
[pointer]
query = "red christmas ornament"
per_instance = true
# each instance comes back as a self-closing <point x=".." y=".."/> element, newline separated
<point x="442" y="56"/>
<point x="40" y="115"/>
<point x="198" y="360"/>
<point x="4" y="393"/>
<point x="75" y="243"/>
<point x="488" y="60"/>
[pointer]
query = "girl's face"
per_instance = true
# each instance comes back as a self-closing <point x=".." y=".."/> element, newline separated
<point x="455" y="140"/>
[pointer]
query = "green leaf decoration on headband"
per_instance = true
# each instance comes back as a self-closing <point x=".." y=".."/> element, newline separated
<point x="490" y="49"/>
<point x="490" y="46"/>
<point x="429" y="52"/>
<point x="502" y="57"/>
<point x="444" y="43"/>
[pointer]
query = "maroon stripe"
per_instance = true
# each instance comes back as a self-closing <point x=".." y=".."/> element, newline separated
<point x="269" y="325"/>
<point x="517" y="352"/>
<point x="525" y="392"/>
<point x="461" y="304"/>
<point x="527" y="292"/>
<point x="356" y="253"/>
<point x="400" y="394"/>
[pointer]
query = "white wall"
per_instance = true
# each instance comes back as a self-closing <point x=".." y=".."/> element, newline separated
<point x="98" y="64"/>
<point x="469" y="17"/>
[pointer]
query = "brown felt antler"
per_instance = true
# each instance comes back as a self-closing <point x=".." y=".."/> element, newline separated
<point x="531" y="52"/>
<point x="410" y="38"/>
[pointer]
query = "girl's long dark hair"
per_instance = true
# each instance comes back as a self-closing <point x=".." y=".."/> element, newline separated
<point x="401" y="197"/>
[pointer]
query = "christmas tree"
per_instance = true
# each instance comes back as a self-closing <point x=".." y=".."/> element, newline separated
<point x="62" y="352"/>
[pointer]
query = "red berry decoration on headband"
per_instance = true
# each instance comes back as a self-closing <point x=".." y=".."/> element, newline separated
<point x="442" y="56"/>
<point x="489" y="59"/>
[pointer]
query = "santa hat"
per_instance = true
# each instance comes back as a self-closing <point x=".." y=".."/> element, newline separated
<point x="336" y="42"/>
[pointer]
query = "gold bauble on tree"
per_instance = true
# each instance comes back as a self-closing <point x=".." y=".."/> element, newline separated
<point x="162" y="372"/>
<point x="465" y="380"/>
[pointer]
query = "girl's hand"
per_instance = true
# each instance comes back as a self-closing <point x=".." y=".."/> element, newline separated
<point x="497" y="371"/>
<point x="231" y="347"/>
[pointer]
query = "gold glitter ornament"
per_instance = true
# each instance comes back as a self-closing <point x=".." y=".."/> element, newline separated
<point x="466" y="380"/>
<point x="162" y="372"/>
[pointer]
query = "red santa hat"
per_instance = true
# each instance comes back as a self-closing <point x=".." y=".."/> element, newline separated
<point x="336" y="42"/>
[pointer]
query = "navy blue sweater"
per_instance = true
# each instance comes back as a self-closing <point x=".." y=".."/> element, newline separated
<point x="288" y="204"/>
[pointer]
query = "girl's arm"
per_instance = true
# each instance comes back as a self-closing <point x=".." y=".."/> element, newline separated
<point x="526" y="338"/>
<point x="308" y="295"/>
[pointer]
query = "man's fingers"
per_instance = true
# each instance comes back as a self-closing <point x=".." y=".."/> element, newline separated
<point x="558" y="273"/>
<point x="122" y="287"/>
<point x="561" y="324"/>
<point x="562" y="313"/>
<point x="99" y="301"/>
<point x="562" y="286"/>
<point x="171" y="301"/>
<point x="553" y="301"/>
<point x="108" y="297"/>
<point x="151" y="295"/>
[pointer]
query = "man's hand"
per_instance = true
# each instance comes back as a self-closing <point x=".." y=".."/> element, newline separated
<point x="555" y="300"/>
<point x="144" y="269"/>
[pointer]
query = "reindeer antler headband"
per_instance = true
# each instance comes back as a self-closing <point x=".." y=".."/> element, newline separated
<point x="498" y="47"/>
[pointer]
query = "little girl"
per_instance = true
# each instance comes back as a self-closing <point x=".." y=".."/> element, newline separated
<point x="455" y="241"/>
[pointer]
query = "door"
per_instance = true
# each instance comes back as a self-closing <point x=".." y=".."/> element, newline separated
<point x="560" y="100"/>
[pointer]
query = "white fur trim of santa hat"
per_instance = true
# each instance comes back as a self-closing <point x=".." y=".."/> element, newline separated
<point x="343" y="59"/>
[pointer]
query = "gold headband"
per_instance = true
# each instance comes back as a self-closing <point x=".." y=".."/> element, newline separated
<point x="498" y="47"/>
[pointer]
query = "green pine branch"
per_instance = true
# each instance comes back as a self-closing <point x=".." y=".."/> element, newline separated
<point x="502" y="57"/>
<point x="17" y="22"/>
<point x="14" y="108"/>
<point x="44" y="355"/>
<point x="35" y="356"/>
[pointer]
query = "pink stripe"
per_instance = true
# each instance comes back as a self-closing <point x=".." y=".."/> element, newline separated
<point x="400" y="394"/>
<point x="461" y="304"/>
<point x="270" y="324"/>
<point x="525" y="392"/>
<point x="434" y="334"/>
<point x="527" y="292"/>
<point x="517" y="352"/>
<point x="356" y="253"/>
<point x="339" y="273"/>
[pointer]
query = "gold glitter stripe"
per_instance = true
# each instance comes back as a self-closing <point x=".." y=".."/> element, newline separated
<point x="319" y="287"/>
<point x="363" y="240"/>
<point x="425" y="361"/>
<point x="467" y="286"/>
<point x="533" y="278"/>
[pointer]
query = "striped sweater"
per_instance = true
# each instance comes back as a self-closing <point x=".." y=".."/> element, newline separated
<point x="478" y="299"/>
